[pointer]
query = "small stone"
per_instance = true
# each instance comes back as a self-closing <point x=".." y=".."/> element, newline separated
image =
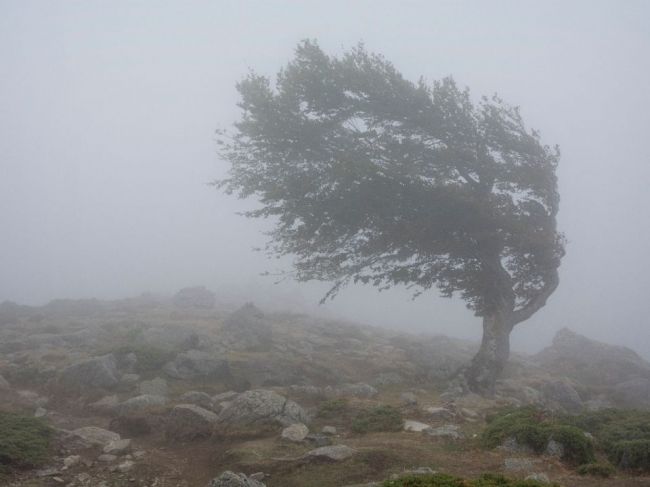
<point x="118" y="447"/>
<point x="539" y="477"/>
<point x="154" y="387"/>
<point x="517" y="464"/>
<point x="328" y="430"/>
<point x="554" y="449"/>
<point x="296" y="432"/>
<point x="336" y="453"/>
<point x="71" y="461"/>
<point x="437" y="413"/>
<point x="416" y="426"/>
<point x="107" y="458"/>
<point x="447" y="431"/>
<point x="139" y="454"/>
<point x="58" y="480"/>
<point x="408" y="399"/>
<point x="126" y="466"/>
<point x="319" y="439"/>
<point x="40" y="412"/>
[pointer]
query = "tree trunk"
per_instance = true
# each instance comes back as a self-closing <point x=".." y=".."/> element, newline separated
<point x="487" y="365"/>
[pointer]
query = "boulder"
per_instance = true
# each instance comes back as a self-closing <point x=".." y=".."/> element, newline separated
<point x="96" y="436"/>
<point x="560" y="393"/>
<point x="195" y="364"/>
<point x="189" y="422"/>
<point x="143" y="403"/>
<point x="296" y="433"/>
<point x="261" y="407"/>
<point x="98" y="372"/>
<point x="106" y="405"/>
<point x="198" y="398"/>
<point x="231" y="479"/>
<point x="408" y="399"/>
<point x="633" y="393"/>
<point x="171" y="337"/>
<point x="410" y="425"/>
<point x="590" y="362"/>
<point x="336" y="453"/>
<point x="447" y="431"/>
<point x="247" y="329"/>
<point x="194" y="297"/>
<point x="154" y="387"/>
<point x="118" y="447"/>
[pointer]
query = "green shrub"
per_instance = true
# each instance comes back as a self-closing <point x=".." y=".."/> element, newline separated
<point x="380" y="418"/>
<point x="603" y="470"/>
<point x="442" y="480"/>
<point x="24" y="441"/>
<point x="532" y="428"/>
<point x="632" y="454"/>
<point x="333" y="408"/>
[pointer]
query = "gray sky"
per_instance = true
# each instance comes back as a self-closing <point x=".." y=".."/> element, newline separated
<point x="107" y="119"/>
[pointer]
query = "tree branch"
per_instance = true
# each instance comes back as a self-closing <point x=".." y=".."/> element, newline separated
<point x="538" y="301"/>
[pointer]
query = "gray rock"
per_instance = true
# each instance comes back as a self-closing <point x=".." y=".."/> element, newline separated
<point x="328" y="430"/>
<point x="198" y="398"/>
<point x="562" y="394"/>
<point x="335" y="453"/>
<point x="194" y="297"/>
<point x="99" y="372"/>
<point x="318" y="439"/>
<point x="126" y="466"/>
<point x="154" y="387"/>
<point x="447" y="431"/>
<point x="40" y="413"/>
<point x="189" y="422"/>
<point x="360" y="390"/>
<point x="107" y="404"/>
<point x="118" y="447"/>
<point x="141" y="404"/>
<point x="4" y="384"/>
<point x="171" y="337"/>
<point x="296" y="432"/>
<point x="416" y="426"/>
<point x="539" y="477"/>
<point x="130" y="379"/>
<point x="633" y="393"/>
<point x="437" y="413"/>
<point x="511" y="445"/>
<point x="96" y="436"/>
<point x="71" y="461"/>
<point x="259" y="407"/>
<point x="107" y="458"/>
<point x="516" y="464"/>
<point x="231" y="479"/>
<point x="408" y="399"/>
<point x="247" y="329"/>
<point x="195" y="364"/>
<point x="387" y="379"/>
<point x="554" y="449"/>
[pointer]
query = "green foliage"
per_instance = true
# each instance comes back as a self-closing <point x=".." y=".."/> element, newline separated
<point x="603" y="470"/>
<point x="442" y="480"/>
<point x="24" y="441"/>
<point x="380" y="418"/>
<point x="150" y="359"/>
<point x="333" y="408"/>
<point x="377" y="179"/>
<point x="534" y="429"/>
<point x="624" y="435"/>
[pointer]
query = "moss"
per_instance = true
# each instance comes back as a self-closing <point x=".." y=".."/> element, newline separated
<point x="380" y="418"/>
<point x="442" y="480"/>
<point x="603" y="470"/>
<point x="24" y="441"/>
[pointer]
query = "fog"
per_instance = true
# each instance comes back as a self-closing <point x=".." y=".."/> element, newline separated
<point x="107" y="119"/>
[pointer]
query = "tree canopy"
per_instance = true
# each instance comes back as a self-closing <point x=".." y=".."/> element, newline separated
<point x="376" y="179"/>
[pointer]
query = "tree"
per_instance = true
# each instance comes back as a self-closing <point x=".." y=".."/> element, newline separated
<point x="372" y="178"/>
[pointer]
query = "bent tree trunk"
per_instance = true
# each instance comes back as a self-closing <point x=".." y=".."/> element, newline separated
<point x="487" y="365"/>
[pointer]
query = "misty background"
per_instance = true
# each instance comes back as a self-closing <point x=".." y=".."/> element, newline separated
<point x="107" y="120"/>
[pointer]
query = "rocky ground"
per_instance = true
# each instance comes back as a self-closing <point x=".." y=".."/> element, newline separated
<point x="181" y="392"/>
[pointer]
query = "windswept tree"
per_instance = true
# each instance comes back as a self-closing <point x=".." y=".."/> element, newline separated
<point x="372" y="178"/>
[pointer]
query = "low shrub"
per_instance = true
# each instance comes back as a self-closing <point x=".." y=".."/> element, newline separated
<point x="442" y="480"/>
<point x="332" y="408"/>
<point x="24" y="441"/>
<point x="631" y="454"/>
<point x="533" y="428"/>
<point x="603" y="470"/>
<point x="380" y="418"/>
